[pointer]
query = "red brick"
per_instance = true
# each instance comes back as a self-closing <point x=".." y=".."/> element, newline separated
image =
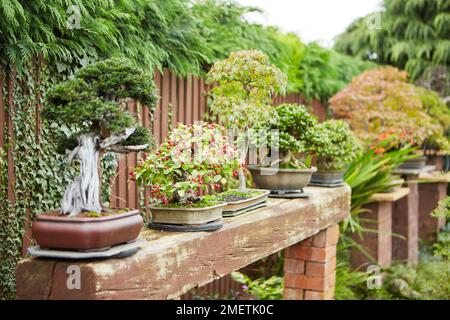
<point x="327" y="237"/>
<point x="312" y="253"/>
<point x="293" y="294"/>
<point x="320" y="269"/>
<point x="295" y="266"/>
<point x="309" y="283"/>
<point x="319" y="295"/>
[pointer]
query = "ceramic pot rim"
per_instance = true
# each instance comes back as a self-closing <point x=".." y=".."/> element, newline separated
<point x="310" y="170"/>
<point x="43" y="217"/>
<point x="189" y="209"/>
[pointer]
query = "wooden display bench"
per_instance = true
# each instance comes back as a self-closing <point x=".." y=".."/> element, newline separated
<point x="432" y="189"/>
<point x="170" y="264"/>
<point x="378" y="219"/>
<point x="405" y="218"/>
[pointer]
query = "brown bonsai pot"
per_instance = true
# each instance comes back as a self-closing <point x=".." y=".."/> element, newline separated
<point x="86" y="233"/>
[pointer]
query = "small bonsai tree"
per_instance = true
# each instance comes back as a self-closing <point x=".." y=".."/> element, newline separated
<point x="190" y="158"/>
<point x="242" y="98"/>
<point x="338" y="147"/>
<point x="95" y="102"/>
<point x="298" y="136"/>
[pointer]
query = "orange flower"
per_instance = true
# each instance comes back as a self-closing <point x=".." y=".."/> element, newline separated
<point x="383" y="136"/>
<point x="379" y="150"/>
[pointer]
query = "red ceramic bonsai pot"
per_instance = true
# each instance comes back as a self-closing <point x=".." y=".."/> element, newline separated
<point x="85" y="233"/>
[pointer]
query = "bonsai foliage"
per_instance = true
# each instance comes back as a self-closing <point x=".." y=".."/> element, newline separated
<point x="339" y="146"/>
<point x="382" y="100"/>
<point x="96" y="102"/>
<point x="190" y="158"/>
<point x="242" y="98"/>
<point x="298" y="136"/>
<point x="246" y="83"/>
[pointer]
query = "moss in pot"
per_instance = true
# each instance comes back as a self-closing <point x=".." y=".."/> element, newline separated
<point x="337" y="148"/>
<point x="189" y="161"/>
<point x="241" y="100"/>
<point x="297" y="136"/>
<point x="95" y="103"/>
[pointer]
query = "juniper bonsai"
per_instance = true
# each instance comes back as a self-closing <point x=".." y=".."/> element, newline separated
<point x="96" y="101"/>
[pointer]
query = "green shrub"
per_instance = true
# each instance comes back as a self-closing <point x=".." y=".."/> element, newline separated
<point x="298" y="136"/>
<point x="340" y="145"/>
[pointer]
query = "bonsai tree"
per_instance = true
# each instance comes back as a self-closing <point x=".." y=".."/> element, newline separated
<point x="245" y="84"/>
<point x="189" y="159"/>
<point x="338" y="148"/>
<point x="95" y="101"/>
<point x="381" y="100"/>
<point x="298" y="136"/>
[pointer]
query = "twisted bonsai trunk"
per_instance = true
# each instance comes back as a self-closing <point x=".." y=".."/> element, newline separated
<point x="83" y="194"/>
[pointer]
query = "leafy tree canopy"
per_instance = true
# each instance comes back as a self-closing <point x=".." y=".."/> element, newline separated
<point x="97" y="96"/>
<point x="413" y="35"/>
<point x="246" y="84"/>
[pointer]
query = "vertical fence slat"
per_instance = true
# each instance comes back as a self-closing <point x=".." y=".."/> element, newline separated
<point x="173" y="99"/>
<point x="196" y="100"/>
<point x="181" y="99"/>
<point x="188" y="111"/>
<point x="156" y="115"/>
<point x="165" y="104"/>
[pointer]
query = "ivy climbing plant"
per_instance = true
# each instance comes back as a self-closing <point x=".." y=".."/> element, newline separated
<point x="41" y="173"/>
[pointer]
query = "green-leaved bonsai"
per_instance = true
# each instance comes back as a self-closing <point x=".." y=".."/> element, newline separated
<point x="298" y="136"/>
<point x="245" y="84"/>
<point x="95" y="102"/>
<point x="338" y="146"/>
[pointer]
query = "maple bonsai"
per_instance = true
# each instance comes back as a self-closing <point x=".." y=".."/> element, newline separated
<point x="95" y="102"/>
<point x="241" y="99"/>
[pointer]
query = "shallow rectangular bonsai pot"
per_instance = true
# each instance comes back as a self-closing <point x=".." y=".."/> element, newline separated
<point x="86" y="233"/>
<point x="327" y="177"/>
<point x="246" y="203"/>
<point x="186" y="216"/>
<point x="281" y="179"/>
<point x="416" y="163"/>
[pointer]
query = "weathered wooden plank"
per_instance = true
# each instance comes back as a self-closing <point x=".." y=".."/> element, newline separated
<point x="170" y="264"/>
<point x="390" y="196"/>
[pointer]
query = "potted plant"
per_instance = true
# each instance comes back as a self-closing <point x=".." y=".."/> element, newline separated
<point x="189" y="160"/>
<point x="298" y="135"/>
<point x="241" y="100"/>
<point x="383" y="100"/>
<point x="337" y="149"/>
<point x="95" y="103"/>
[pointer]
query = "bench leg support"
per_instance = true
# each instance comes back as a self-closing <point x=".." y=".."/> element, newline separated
<point x="310" y="267"/>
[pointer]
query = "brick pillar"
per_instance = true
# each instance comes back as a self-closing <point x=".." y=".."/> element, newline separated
<point x="405" y="218"/>
<point x="378" y="242"/>
<point x="429" y="196"/>
<point x="310" y="267"/>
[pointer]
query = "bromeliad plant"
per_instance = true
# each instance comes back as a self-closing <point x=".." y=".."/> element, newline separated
<point x="95" y="102"/>
<point x="338" y="146"/>
<point x="190" y="158"/>
<point x="242" y="97"/>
